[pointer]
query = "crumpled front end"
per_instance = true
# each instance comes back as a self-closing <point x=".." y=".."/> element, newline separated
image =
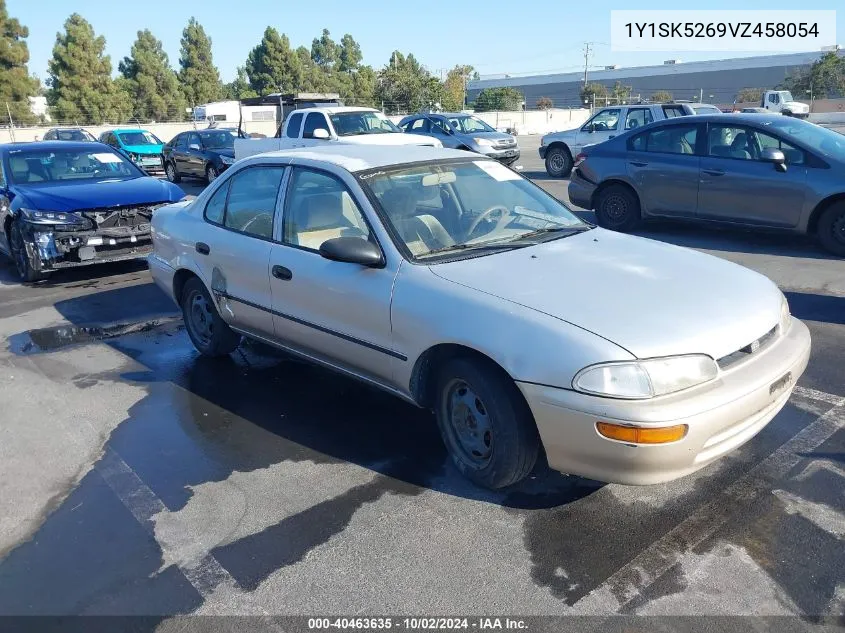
<point x="88" y="237"/>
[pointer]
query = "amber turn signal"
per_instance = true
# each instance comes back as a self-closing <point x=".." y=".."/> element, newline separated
<point x="637" y="435"/>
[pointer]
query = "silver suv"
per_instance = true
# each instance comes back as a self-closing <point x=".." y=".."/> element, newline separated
<point x="464" y="131"/>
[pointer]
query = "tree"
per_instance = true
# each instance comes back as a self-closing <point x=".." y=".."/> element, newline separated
<point x="151" y="81"/>
<point x="16" y="84"/>
<point x="81" y="89"/>
<point x="454" y="88"/>
<point x="272" y="66"/>
<point x="750" y="95"/>
<point x="198" y="75"/>
<point x="661" y="96"/>
<point x="324" y="50"/>
<point x="405" y="85"/>
<point x="592" y="94"/>
<point x="350" y="54"/>
<point x="620" y="93"/>
<point x="364" y="86"/>
<point x="498" y="99"/>
<point x="239" y="87"/>
<point x="825" y="79"/>
<point x="544" y="103"/>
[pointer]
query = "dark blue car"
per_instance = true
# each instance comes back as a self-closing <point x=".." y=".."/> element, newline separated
<point x="65" y="203"/>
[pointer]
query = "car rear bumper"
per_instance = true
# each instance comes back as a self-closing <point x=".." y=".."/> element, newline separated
<point x="720" y="417"/>
<point x="162" y="274"/>
<point x="581" y="191"/>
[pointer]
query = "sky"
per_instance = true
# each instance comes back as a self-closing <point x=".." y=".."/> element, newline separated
<point x="493" y="36"/>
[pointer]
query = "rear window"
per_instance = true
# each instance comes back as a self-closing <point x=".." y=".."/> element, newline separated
<point x="672" y="111"/>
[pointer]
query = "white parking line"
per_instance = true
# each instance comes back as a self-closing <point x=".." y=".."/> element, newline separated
<point x="650" y="564"/>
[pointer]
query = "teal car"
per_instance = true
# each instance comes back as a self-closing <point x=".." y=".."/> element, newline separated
<point x="141" y="146"/>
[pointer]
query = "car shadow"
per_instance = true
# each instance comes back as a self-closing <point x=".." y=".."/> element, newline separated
<point x="817" y="307"/>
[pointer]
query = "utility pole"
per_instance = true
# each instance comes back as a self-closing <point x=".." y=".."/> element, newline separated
<point x="586" y="59"/>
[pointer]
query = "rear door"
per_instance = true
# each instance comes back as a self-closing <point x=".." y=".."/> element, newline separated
<point x="738" y="186"/>
<point x="194" y="156"/>
<point x="664" y="168"/>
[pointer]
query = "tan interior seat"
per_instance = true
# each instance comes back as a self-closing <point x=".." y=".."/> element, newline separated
<point x="321" y="217"/>
<point x="420" y="232"/>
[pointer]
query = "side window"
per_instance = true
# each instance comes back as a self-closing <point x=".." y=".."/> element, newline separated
<point x="604" y="121"/>
<point x="674" y="139"/>
<point x="216" y="206"/>
<point x="194" y="139"/>
<point x="637" y="117"/>
<point x="49" y="136"/>
<point x="729" y="141"/>
<point x="793" y="155"/>
<point x="774" y="98"/>
<point x="252" y="201"/>
<point x="419" y="125"/>
<point x="638" y="143"/>
<point x="294" y="124"/>
<point x="179" y="142"/>
<point x="319" y="207"/>
<point x="314" y="121"/>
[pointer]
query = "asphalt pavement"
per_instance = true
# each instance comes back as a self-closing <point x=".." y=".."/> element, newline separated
<point x="137" y="478"/>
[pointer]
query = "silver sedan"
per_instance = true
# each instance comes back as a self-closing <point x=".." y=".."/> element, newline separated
<point x="453" y="282"/>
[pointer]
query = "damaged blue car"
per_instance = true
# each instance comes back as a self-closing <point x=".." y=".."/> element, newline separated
<point x="65" y="204"/>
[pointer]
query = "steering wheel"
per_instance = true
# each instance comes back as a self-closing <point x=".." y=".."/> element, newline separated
<point x="504" y="217"/>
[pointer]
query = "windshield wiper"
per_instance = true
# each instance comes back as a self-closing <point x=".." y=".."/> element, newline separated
<point x="475" y="247"/>
<point x="557" y="231"/>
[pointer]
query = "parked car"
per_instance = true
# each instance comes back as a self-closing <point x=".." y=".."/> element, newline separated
<point x="466" y="132"/>
<point x="68" y="134"/>
<point x="753" y="170"/>
<point x="69" y="203"/>
<point x="705" y="108"/>
<point x="559" y="149"/>
<point x="453" y="282"/>
<point x="754" y="111"/>
<point x="142" y="147"/>
<point x="202" y="154"/>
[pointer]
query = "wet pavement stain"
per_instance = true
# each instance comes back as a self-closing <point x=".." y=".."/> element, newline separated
<point x="54" y="338"/>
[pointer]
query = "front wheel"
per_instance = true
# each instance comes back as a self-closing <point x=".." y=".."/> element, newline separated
<point x="23" y="265"/>
<point x="208" y="332"/>
<point x="211" y="173"/>
<point x="171" y="173"/>
<point x="617" y="208"/>
<point x="558" y="162"/>
<point x="485" y="422"/>
<point x="831" y="229"/>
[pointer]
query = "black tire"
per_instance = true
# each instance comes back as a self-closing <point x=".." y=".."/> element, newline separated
<point x="171" y="173"/>
<point x="558" y="162"/>
<point x="209" y="333"/>
<point x="485" y="422"/>
<point x="19" y="257"/>
<point x="617" y="208"/>
<point x="831" y="228"/>
<point x="211" y="173"/>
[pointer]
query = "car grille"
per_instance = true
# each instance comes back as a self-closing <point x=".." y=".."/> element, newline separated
<point x="749" y="350"/>
<point x="122" y="221"/>
<point x="505" y="144"/>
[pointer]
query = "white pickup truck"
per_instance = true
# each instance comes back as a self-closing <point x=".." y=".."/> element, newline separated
<point x="559" y="149"/>
<point x="782" y="101"/>
<point x="340" y="124"/>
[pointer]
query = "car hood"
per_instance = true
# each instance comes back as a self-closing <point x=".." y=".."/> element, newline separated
<point x="493" y="136"/>
<point x="97" y="195"/>
<point x="391" y="138"/>
<point x="230" y="152"/>
<point x="143" y="149"/>
<point x="796" y="106"/>
<point x="652" y="299"/>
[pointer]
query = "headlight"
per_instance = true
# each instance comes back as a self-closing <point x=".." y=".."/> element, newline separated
<point x="785" y="316"/>
<point x="226" y="160"/>
<point x="646" y="378"/>
<point x="54" y="217"/>
<point x="483" y="142"/>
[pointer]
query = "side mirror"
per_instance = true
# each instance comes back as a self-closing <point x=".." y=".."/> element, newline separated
<point x="591" y="128"/>
<point x="194" y="146"/>
<point x="774" y="156"/>
<point x="321" y="133"/>
<point x="352" y="250"/>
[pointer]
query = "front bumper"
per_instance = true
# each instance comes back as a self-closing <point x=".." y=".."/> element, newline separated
<point x="150" y="164"/>
<point x="509" y="155"/>
<point x="721" y="416"/>
<point x="581" y="191"/>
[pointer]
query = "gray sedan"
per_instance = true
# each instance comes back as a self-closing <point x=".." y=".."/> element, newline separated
<point x="464" y="131"/>
<point x="763" y="171"/>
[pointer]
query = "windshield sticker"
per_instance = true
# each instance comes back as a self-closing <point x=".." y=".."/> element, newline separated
<point x="497" y="170"/>
<point x="106" y="157"/>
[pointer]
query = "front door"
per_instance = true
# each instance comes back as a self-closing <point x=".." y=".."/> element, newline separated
<point x="234" y="244"/>
<point x="314" y="121"/>
<point x="664" y="168"/>
<point x="604" y="125"/>
<point x="737" y="185"/>
<point x="335" y="311"/>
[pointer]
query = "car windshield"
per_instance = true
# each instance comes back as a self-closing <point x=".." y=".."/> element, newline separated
<point x="139" y="138"/>
<point x="469" y="124"/>
<point x="218" y="139"/>
<point x="353" y="123"/>
<point x="34" y="167"/>
<point x="442" y="208"/>
<point x="820" y="139"/>
<point x="785" y="95"/>
<point x="74" y="135"/>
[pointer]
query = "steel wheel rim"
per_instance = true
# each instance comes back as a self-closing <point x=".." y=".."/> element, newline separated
<point x="838" y="228"/>
<point x="171" y="172"/>
<point x="470" y="424"/>
<point x="615" y="207"/>
<point x="201" y="319"/>
<point x="557" y="161"/>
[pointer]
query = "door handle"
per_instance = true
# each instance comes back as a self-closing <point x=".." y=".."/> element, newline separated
<point x="612" y="136"/>
<point x="639" y="163"/>
<point x="715" y="172"/>
<point x="280" y="272"/>
<point x="202" y="248"/>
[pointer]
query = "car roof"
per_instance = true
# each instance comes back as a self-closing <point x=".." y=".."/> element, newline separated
<point x="333" y="109"/>
<point x="84" y="146"/>
<point x="127" y="129"/>
<point x="355" y="158"/>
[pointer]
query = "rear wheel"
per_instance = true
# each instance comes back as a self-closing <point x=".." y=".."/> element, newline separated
<point x="485" y="423"/>
<point x="211" y="173"/>
<point x="831" y="229"/>
<point x="617" y="208"/>
<point x="24" y="267"/>
<point x="558" y="162"/>
<point x="171" y="173"/>
<point x="208" y="332"/>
